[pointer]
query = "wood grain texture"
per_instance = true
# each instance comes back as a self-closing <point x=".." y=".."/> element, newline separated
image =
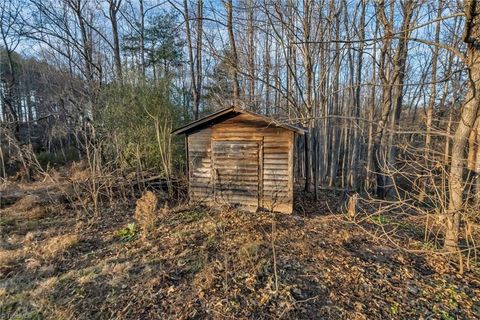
<point x="200" y="168"/>
<point x="243" y="161"/>
<point x="231" y="186"/>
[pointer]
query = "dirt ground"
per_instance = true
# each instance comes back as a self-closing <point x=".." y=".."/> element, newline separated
<point x="198" y="263"/>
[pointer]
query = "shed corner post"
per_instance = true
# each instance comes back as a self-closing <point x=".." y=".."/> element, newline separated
<point x="187" y="168"/>
<point x="291" y="170"/>
<point x="307" y="164"/>
<point x="260" y="173"/>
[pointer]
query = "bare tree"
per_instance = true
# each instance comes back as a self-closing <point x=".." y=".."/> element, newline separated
<point x="9" y="31"/>
<point x="195" y="63"/>
<point x="232" y="57"/>
<point x="468" y="116"/>
<point x="113" y="8"/>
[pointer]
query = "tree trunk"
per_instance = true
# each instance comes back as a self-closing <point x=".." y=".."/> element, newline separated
<point x="233" y="58"/>
<point x="142" y="38"/>
<point x="400" y="65"/>
<point x="193" y="76"/>
<point x="468" y="116"/>
<point x="358" y="77"/>
<point x="198" y="58"/>
<point x="114" y="6"/>
<point x="251" y="55"/>
<point x="433" y="93"/>
<point x="267" y="62"/>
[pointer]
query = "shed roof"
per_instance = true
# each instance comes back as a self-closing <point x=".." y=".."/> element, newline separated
<point x="230" y="112"/>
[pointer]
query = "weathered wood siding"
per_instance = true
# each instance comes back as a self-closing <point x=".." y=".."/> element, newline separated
<point x="251" y="164"/>
<point x="236" y="173"/>
<point x="200" y="166"/>
<point x="278" y="172"/>
<point x="276" y="157"/>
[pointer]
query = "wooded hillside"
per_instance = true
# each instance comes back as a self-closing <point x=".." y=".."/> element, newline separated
<point x="387" y="90"/>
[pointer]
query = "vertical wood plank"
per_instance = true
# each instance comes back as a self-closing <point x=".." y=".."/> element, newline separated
<point x="199" y="162"/>
<point x="188" y="167"/>
<point x="290" y="170"/>
<point x="233" y="163"/>
<point x="260" y="174"/>
<point x="213" y="172"/>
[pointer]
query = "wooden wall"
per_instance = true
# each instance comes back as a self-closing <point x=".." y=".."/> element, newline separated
<point x="275" y="161"/>
<point x="200" y="166"/>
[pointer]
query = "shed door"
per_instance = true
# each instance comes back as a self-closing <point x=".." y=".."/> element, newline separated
<point x="236" y="173"/>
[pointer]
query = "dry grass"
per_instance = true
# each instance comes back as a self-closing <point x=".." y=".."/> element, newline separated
<point x="45" y="287"/>
<point x="9" y="258"/>
<point x="205" y="263"/>
<point x="31" y="206"/>
<point x="26" y="203"/>
<point x="56" y="245"/>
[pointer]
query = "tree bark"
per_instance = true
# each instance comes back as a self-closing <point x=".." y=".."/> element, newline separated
<point x="433" y="92"/>
<point x="233" y="57"/>
<point x="251" y="55"/>
<point x="194" y="63"/>
<point x="142" y="38"/>
<point x="198" y="58"/>
<point x="468" y="116"/>
<point x="358" y="77"/>
<point x="398" y="77"/>
<point x="114" y="6"/>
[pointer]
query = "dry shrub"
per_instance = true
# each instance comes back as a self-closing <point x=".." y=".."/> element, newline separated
<point x="145" y="212"/>
<point x="79" y="171"/>
<point x="54" y="174"/>
<point x="164" y="211"/>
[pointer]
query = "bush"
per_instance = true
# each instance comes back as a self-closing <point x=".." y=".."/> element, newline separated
<point x="127" y="233"/>
<point x="57" y="158"/>
<point x="145" y="212"/>
<point x="138" y="119"/>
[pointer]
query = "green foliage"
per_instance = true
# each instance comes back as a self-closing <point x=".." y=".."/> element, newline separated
<point x="17" y="307"/>
<point x="162" y="43"/>
<point x="380" y="219"/>
<point x="431" y="246"/>
<point x="446" y="316"/>
<point x="394" y="309"/>
<point x="57" y="158"/>
<point x="127" y="233"/>
<point x="193" y="215"/>
<point x="138" y="119"/>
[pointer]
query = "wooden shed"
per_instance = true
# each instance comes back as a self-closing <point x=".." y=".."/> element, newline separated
<point x="241" y="158"/>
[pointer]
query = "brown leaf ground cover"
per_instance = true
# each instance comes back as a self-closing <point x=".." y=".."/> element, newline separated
<point x="215" y="263"/>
